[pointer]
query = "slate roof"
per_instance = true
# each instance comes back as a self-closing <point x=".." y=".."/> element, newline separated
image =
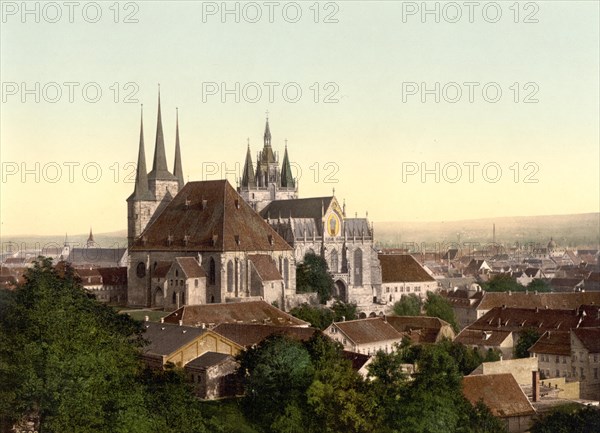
<point x="265" y="266"/>
<point x="208" y="359"/>
<point x="99" y="257"/>
<point x="247" y="335"/>
<point x="356" y="227"/>
<point x="398" y="268"/>
<point x="554" y="343"/>
<point x="253" y="312"/>
<point x="554" y="301"/>
<point x="297" y="208"/>
<point x="190" y="267"/>
<point x="166" y="338"/>
<point x="209" y="216"/>
<point x="500" y="392"/>
<point x="590" y="338"/>
<point x="370" y="330"/>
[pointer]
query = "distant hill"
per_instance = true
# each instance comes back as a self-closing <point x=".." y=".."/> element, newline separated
<point x="578" y="230"/>
<point x="104" y="240"/>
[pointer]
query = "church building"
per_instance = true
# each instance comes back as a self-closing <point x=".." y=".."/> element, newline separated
<point x="199" y="243"/>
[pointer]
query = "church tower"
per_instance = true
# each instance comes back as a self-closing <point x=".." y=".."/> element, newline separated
<point x="154" y="190"/>
<point x="268" y="182"/>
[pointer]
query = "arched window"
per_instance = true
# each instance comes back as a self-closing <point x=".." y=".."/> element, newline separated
<point x="182" y="298"/>
<point x="358" y="267"/>
<point x="230" y="276"/>
<point x="286" y="273"/>
<point x="334" y="261"/>
<point x="212" y="272"/>
<point x="174" y="298"/>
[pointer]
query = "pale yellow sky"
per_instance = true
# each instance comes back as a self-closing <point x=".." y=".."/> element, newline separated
<point x="371" y="141"/>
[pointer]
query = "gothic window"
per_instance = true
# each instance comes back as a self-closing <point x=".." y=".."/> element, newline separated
<point x="286" y="273"/>
<point x="182" y="298"/>
<point x="212" y="272"/>
<point x="230" y="276"/>
<point x="174" y="298"/>
<point x="358" y="267"/>
<point x="334" y="261"/>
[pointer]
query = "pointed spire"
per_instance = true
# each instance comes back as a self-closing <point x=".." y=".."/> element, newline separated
<point x="267" y="136"/>
<point x="287" y="180"/>
<point x="177" y="168"/>
<point x="141" y="191"/>
<point x="159" y="167"/>
<point x="248" y="179"/>
<point x="90" y="241"/>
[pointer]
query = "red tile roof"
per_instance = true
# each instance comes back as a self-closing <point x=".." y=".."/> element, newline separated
<point x="402" y="268"/>
<point x="482" y="338"/>
<point x="191" y="267"/>
<point x="589" y="337"/>
<point x="248" y="335"/>
<point x="253" y="312"/>
<point x="500" y="392"/>
<point x="554" y="301"/>
<point x="553" y="343"/>
<point x="265" y="266"/>
<point x="371" y="330"/>
<point x="209" y="216"/>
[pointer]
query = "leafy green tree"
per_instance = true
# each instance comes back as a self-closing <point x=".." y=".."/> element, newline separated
<point x="277" y="374"/>
<point x="312" y="275"/>
<point x="502" y="283"/>
<point x="343" y="311"/>
<point x="569" y="419"/>
<point x="67" y="360"/>
<point x="319" y="317"/>
<point x="537" y="284"/>
<point x="527" y="339"/>
<point x="481" y="420"/>
<point x="437" y="306"/>
<point x="408" y="305"/>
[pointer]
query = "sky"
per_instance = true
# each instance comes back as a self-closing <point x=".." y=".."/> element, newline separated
<point x="412" y="111"/>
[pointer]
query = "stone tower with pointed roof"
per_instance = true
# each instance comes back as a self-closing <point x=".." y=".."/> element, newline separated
<point x="268" y="181"/>
<point x="153" y="191"/>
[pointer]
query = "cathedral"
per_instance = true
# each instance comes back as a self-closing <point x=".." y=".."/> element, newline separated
<point x="313" y="225"/>
<point x="200" y="242"/>
<point x="205" y="242"/>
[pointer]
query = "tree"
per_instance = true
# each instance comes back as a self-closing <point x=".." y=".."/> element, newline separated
<point x="527" y="339"/>
<point x="569" y="419"/>
<point x="436" y="306"/>
<point x="481" y="420"/>
<point x="539" y="285"/>
<point x="319" y="317"/>
<point x="408" y="305"/>
<point x="67" y="360"/>
<point x="312" y="275"/>
<point x="277" y="374"/>
<point x="343" y="311"/>
<point x="502" y="283"/>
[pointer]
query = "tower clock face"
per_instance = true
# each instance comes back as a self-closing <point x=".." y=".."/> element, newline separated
<point x="333" y="225"/>
<point x="141" y="270"/>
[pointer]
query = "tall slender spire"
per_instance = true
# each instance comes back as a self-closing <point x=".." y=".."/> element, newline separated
<point x="177" y="168"/>
<point x="267" y="155"/>
<point x="287" y="180"/>
<point x="141" y="191"/>
<point x="267" y="136"/>
<point x="159" y="167"/>
<point x="248" y="179"/>
<point x="90" y="241"/>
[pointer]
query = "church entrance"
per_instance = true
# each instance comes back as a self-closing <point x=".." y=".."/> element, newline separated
<point x="340" y="291"/>
<point x="159" y="299"/>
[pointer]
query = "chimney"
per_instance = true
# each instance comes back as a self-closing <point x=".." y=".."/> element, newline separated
<point x="181" y="323"/>
<point x="146" y="318"/>
<point x="535" y="385"/>
<point x="162" y="320"/>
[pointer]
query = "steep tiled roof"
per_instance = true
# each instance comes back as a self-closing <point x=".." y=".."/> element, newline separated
<point x="161" y="269"/>
<point x="371" y="330"/>
<point x="356" y="227"/>
<point x="166" y="338"/>
<point x="554" y="343"/>
<point x="209" y="216"/>
<point x="554" y="301"/>
<point x="265" y="266"/>
<point x="518" y="319"/>
<point x="248" y="335"/>
<point x="254" y="312"/>
<point x="191" y="267"/>
<point x="297" y="208"/>
<point x="482" y="338"/>
<point x="402" y="268"/>
<point x="589" y="337"/>
<point x="113" y="276"/>
<point x="500" y="392"/>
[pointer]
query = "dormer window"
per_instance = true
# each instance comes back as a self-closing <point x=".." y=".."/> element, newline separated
<point x="270" y="237"/>
<point x="204" y="204"/>
<point x="169" y="239"/>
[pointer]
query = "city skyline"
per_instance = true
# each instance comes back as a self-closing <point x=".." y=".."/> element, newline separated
<point x="376" y="137"/>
